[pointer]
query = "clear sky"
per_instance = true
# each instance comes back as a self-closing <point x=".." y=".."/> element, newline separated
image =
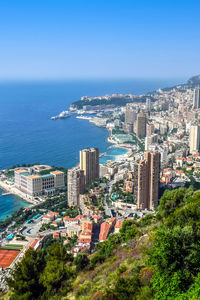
<point x="99" y="38"/>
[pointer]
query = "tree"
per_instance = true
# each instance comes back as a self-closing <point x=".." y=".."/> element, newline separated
<point x="175" y="259"/>
<point x="128" y="230"/>
<point x="58" y="252"/>
<point x="81" y="261"/>
<point x="25" y="281"/>
<point x="56" y="274"/>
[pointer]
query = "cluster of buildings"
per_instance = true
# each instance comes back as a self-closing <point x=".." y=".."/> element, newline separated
<point x="83" y="175"/>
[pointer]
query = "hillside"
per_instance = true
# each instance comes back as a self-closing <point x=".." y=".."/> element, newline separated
<point x="195" y="80"/>
<point x="155" y="258"/>
<point x="112" y="101"/>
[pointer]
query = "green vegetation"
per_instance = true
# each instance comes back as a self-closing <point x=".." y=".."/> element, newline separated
<point x="117" y="190"/>
<point x="97" y="183"/>
<point x="9" y="173"/>
<point x="118" y="130"/>
<point x="113" y="101"/>
<point x="81" y="261"/>
<point x="12" y="247"/>
<point x="154" y="258"/>
<point x="41" y="277"/>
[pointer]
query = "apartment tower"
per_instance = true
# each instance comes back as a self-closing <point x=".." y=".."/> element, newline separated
<point x="147" y="178"/>
<point x="141" y="124"/>
<point x="194" y="138"/>
<point x="196" y="99"/>
<point x="140" y="188"/>
<point x="76" y="186"/>
<point x="148" y="105"/>
<point x="153" y="166"/>
<point x="89" y="163"/>
<point x="130" y="118"/>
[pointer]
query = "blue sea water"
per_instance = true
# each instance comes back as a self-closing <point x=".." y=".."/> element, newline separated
<point x="9" y="204"/>
<point x="27" y="135"/>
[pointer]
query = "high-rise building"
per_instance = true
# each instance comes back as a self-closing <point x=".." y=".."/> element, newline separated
<point x="141" y="188"/>
<point x="149" y="140"/>
<point x="196" y="98"/>
<point x="130" y="117"/>
<point x="141" y="125"/>
<point x="89" y="163"/>
<point x="150" y="129"/>
<point x="153" y="165"/>
<point x="194" y="138"/>
<point x="76" y="186"/>
<point x="148" y="104"/>
<point x="147" y="178"/>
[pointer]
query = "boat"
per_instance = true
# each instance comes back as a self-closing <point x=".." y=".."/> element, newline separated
<point x="63" y="115"/>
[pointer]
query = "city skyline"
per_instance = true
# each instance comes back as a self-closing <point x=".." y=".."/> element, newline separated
<point x="101" y="39"/>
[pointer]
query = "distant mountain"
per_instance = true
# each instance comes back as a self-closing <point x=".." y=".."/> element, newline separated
<point x="195" y="80"/>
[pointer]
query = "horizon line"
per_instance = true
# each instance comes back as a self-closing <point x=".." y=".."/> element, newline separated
<point x="93" y="78"/>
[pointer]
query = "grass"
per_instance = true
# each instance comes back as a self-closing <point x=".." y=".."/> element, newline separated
<point x="12" y="247"/>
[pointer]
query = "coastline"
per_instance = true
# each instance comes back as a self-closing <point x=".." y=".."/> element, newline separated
<point x="14" y="191"/>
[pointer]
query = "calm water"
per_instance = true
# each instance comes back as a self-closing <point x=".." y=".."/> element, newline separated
<point x="9" y="204"/>
<point x="27" y="135"/>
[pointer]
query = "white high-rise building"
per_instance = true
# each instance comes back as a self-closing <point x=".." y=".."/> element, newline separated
<point x="148" y="104"/>
<point x="196" y="99"/>
<point x="194" y="138"/>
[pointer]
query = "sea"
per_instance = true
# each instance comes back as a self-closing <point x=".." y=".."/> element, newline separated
<point x="28" y="135"/>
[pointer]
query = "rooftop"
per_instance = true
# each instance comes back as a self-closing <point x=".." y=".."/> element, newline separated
<point x="56" y="172"/>
<point x="47" y="176"/>
<point x="21" y="171"/>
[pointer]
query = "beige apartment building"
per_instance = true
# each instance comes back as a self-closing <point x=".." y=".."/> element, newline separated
<point x="141" y="124"/>
<point x="130" y="118"/>
<point x="147" y="179"/>
<point x="89" y="163"/>
<point x="153" y="167"/>
<point x="141" y="188"/>
<point x="196" y="98"/>
<point x="194" y="138"/>
<point x="76" y="186"/>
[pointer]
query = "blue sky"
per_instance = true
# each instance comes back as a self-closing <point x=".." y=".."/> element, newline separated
<point x="99" y="39"/>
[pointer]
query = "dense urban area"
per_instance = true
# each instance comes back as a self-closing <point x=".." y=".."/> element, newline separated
<point x="126" y="229"/>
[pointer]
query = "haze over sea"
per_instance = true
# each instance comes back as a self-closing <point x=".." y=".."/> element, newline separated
<point x="27" y="135"/>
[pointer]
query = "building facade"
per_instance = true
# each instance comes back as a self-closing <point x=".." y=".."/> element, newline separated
<point x="140" y="188"/>
<point x="130" y="118"/>
<point x="148" y="105"/>
<point x="153" y="166"/>
<point x="196" y="98"/>
<point x="89" y="163"/>
<point x="194" y="138"/>
<point x="141" y="125"/>
<point x="147" y="179"/>
<point x="37" y="185"/>
<point x="76" y="186"/>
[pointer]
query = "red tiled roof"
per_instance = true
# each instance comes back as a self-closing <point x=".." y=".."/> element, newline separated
<point x="119" y="224"/>
<point x="34" y="243"/>
<point x="105" y="229"/>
